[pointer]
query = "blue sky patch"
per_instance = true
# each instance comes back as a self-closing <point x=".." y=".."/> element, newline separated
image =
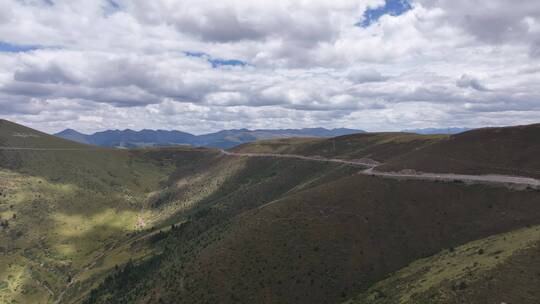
<point x="110" y="7"/>
<point x="391" y="7"/>
<point x="14" y="48"/>
<point x="221" y="62"/>
<point x="113" y="4"/>
<point x="216" y="62"/>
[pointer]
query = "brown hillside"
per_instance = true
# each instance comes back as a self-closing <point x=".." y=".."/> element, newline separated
<point x="330" y="242"/>
<point x="377" y="146"/>
<point x="511" y="151"/>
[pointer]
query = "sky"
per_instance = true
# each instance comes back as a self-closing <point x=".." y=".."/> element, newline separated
<point x="202" y="66"/>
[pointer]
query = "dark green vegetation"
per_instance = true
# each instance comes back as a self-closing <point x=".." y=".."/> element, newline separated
<point x="324" y="244"/>
<point x="224" y="229"/>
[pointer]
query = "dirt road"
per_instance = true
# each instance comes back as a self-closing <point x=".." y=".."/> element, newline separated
<point x="49" y="149"/>
<point x="370" y="165"/>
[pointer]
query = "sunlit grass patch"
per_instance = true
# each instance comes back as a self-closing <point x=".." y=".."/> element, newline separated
<point x="70" y="225"/>
<point x="19" y="188"/>
<point x="60" y="226"/>
<point x="474" y="257"/>
<point x="80" y="238"/>
<point x="24" y="284"/>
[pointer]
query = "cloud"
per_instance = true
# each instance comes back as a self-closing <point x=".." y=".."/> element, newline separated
<point x="201" y="66"/>
<point x="468" y="81"/>
<point x="363" y="76"/>
<point x="236" y="21"/>
<point x="219" y="25"/>
<point x="535" y="49"/>
<point x="494" y="22"/>
<point x="50" y="73"/>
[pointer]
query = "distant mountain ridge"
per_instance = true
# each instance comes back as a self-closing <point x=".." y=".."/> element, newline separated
<point x="73" y="135"/>
<point x="431" y="131"/>
<point x="222" y="139"/>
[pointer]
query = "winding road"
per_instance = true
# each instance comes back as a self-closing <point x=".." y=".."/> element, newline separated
<point x="49" y="149"/>
<point x="369" y="169"/>
<point x="369" y="165"/>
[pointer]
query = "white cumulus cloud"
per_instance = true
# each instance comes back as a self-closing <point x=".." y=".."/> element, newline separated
<point x="200" y="66"/>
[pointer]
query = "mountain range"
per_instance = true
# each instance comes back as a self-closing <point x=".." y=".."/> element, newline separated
<point x="222" y="139"/>
<point x="429" y="131"/>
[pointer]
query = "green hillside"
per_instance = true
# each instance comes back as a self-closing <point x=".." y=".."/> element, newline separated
<point x="181" y="225"/>
<point x="249" y="185"/>
<point x="321" y="245"/>
<point x="15" y="135"/>
<point x="497" y="269"/>
<point x="65" y="206"/>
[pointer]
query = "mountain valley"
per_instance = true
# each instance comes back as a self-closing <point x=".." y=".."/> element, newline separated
<point x="291" y="220"/>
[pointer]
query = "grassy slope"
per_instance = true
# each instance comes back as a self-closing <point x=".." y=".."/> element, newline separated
<point x="89" y="201"/>
<point x="15" y="135"/>
<point x="71" y="206"/>
<point x="317" y="244"/>
<point x="323" y="244"/>
<point x="512" y="150"/>
<point x="247" y="230"/>
<point x="251" y="184"/>
<point x="500" y="268"/>
<point x="377" y="146"/>
<point x="58" y="229"/>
